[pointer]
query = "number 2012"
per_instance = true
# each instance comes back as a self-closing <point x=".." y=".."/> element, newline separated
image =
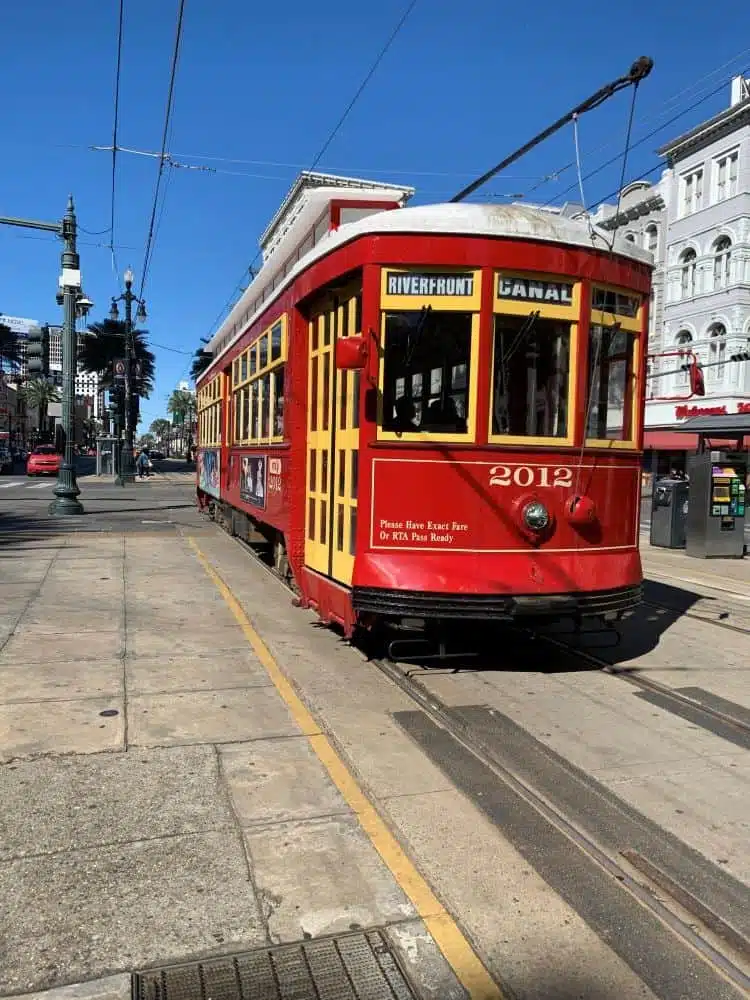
<point x="530" y="475"/>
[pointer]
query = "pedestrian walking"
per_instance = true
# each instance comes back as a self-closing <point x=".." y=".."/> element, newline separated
<point x="144" y="464"/>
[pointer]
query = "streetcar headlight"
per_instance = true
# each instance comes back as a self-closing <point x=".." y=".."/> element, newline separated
<point x="536" y="516"/>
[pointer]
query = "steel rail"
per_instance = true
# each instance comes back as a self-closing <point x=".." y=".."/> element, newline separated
<point x="699" y="913"/>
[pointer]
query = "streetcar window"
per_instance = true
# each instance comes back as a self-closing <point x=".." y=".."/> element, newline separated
<point x="426" y="371"/>
<point x="276" y="342"/>
<point x="531" y="369"/>
<point x="246" y="403"/>
<point x="610" y="370"/>
<point x="278" y="402"/>
<point x="354" y="376"/>
<point x="254" y="411"/>
<point x="243" y="367"/>
<point x="265" y="406"/>
<point x="263" y="347"/>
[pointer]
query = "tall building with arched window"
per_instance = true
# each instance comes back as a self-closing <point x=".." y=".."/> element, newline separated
<point x="696" y="222"/>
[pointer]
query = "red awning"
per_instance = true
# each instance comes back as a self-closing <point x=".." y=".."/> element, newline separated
<point x="675" y="441"/>
<point x="669" y="441"/>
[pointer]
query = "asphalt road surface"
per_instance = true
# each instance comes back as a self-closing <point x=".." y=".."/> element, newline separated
<point x="151" y="504"/>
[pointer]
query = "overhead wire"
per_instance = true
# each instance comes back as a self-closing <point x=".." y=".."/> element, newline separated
<point x="555" y="174"/>
<point x="115" y="127"/>
<point x="334" y="131"/>
<point x="639" y="142"/>
<point x="163" y="155"/>
<point x="379" y="58"/>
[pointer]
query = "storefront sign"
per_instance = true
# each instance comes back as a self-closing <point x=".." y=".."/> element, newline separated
<point x="532" y="290"/>
<point x="426" y="285"/>
<point x="684" y="411"/>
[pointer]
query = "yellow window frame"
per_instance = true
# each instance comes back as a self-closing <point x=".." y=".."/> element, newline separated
<point x="561" y="313"/>
<point x="634" y="325"/>
<point x="471" y="414"/>
<point x="253" y="384"/>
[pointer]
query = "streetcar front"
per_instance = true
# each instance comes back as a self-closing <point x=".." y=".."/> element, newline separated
<point x="503" y="461"/>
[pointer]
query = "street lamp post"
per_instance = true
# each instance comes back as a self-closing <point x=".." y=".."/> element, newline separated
<point x="127" y="463"/>
<point x="72" y="299"/>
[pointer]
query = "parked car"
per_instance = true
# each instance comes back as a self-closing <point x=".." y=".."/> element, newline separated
<point x="43" y="461"/>
<point x="157" y="456"/>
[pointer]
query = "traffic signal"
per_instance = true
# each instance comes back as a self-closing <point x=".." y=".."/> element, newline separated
<point x="741" y="356"/>
<point x="37" y="351"/>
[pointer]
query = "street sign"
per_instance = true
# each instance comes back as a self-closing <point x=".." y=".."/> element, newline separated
<point x="119" y="368"/>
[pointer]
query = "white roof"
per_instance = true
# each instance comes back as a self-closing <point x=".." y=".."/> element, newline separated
<point x="458" y="219"/>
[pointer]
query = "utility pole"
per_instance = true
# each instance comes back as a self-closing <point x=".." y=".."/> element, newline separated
<point x="73" y="301"/>
<point x="127" y="461"/>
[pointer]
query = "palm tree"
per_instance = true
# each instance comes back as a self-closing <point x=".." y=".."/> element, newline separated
<point x="10" y="349"/>
<point x="38" y="394"/>
<point x="106" y="343"/>
<point x="160" y="429"/>
<point x="181" y="404"/>
<point x="201" y="361"/>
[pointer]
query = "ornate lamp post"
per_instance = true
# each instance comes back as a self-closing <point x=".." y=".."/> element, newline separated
<point x="127" y="462"/>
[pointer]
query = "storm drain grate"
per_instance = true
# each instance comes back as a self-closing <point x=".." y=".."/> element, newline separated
<point x="349" y="967"/>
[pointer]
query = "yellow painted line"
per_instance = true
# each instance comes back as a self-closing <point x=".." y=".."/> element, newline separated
<point x="446" y="933"/>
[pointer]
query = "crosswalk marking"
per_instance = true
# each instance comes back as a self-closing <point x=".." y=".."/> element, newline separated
<point x="28" y="486"/>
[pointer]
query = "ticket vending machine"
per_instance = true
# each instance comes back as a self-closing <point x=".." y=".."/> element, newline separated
<point x="716" y="511"/>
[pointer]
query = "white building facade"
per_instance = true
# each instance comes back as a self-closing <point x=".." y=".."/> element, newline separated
<point x="696" y="222"/>
<point x="707" y="308"/>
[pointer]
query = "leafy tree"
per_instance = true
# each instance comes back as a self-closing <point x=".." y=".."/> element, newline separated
<point x="160" y="429"/>
<point x="98" y="352"/>
<point x="38" y="394"/>
<point x="181" y="404"/>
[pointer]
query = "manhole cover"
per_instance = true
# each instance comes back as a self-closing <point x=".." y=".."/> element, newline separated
<point x="350" y="967"/>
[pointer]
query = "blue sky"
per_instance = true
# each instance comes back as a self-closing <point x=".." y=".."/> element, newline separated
<point x="462" y="85"/>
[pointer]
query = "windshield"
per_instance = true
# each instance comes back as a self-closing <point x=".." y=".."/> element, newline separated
<point x="426" y="365"/>
<point x="45" y="450"/>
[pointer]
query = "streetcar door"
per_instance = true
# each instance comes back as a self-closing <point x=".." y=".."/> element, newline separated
<point x="332" y="443"/>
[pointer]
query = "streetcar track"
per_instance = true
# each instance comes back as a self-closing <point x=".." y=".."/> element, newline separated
<point x="678" y="612"/>
<point x="643" y="683"/>
<point x="650" y="893"/>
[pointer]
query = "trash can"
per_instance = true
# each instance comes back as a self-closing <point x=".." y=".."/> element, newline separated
<point x="669" y="509"/>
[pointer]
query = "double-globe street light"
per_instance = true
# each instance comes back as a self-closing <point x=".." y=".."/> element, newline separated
<point x="127" y="462"/>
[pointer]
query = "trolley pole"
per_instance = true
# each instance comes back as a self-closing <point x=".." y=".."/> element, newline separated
<point x="66" y="491"/>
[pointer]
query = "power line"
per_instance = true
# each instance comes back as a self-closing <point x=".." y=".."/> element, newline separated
<point x="162" y="157"/>
<point x="334" y="132"/>
<point x="555" y="174"/>
<point x="368" y="77"/>
<point x="645" y="138"/>
<point x="114" y="137"/>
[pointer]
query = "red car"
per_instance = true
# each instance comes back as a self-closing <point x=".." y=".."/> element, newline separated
<point x="43" y="461"/>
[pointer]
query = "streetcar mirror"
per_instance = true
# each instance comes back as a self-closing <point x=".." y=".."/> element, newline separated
<point x="351" y="353"/>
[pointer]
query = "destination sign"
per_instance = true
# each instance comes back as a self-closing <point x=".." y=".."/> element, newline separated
<point x="533" y="290"/>
<point x="430" y="284"/>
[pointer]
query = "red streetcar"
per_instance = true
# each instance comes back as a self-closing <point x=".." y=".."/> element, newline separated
<point x="434" y="412"/>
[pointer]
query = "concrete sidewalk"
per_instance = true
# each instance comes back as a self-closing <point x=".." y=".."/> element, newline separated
<point x="160" y="801"/>
<point x="727" y="576"/>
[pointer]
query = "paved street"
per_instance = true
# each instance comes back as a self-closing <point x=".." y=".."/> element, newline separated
<point x="197" y="768"/>
<point x="166" y="498"/>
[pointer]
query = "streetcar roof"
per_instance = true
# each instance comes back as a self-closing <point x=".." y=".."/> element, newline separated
<point x="452" y="219"/>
